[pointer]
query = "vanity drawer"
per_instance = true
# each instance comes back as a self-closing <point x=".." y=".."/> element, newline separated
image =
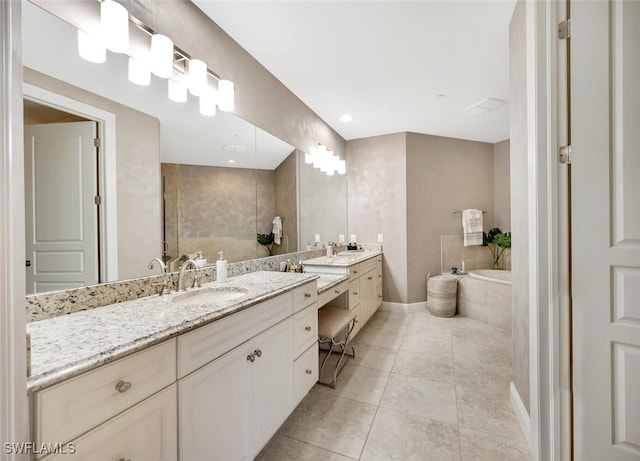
<point x="304" y="296"/>
<point x="147" y="431"/>
<point x="354" y="272"/>
<point x="305" y="373"/>
<point x="70" y="408"/>
<point x="204" y="344"/>
<point x="354" y="293"/>
<point x="332" y="293"/>
<point x="368" y="265"/>
<point x="305" y="329"/>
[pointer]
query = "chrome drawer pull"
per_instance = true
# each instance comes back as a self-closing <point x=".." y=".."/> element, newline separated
<point x="123" y="386"/>
<point x="337" y="291"/>
<point x="307" y="328"/>
<point x="309" y="371"/>
<point x="123" y="459"/>
<point x="307" y="295"/>
<point x="258" y="353"/>
<point x="251" y="358"/>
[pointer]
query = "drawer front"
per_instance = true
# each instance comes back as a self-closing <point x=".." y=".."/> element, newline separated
<point x="147" y="431"/>
<point x="359" y="323"/>
<point x="332" y="293"/>
<point x="209" y="342"/>
<point x="354" y="293"/>
<point x="354" y="272"/>
<point x="379" y="267"/>
<point x="70" y="408"/>
<point x="305" y="373"/>
<point x="368" y="265"/>
<point x="305" y="329"/>
<point x="305" y="295"/>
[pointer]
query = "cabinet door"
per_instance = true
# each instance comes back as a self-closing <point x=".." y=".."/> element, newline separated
<point x="215" y="403"/>
<point x="272" y="381"/>
<point x="368" y="295"/>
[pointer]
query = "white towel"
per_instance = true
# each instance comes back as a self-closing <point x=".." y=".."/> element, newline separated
<point x="472" y="227"/>
<point x="277" y="230"/>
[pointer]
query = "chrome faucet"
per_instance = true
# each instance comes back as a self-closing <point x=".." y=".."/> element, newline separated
<point x="160" y="263"/>
<point x="183" y="269"/>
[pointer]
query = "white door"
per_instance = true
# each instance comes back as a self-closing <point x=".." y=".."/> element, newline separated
<point x="61" y="214"/>
<point x="605" y="130"/>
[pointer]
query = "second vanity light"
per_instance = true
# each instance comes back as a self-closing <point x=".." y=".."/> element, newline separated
<point x="159" y="57"/>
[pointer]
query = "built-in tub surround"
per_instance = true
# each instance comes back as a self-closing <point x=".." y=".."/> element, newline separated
<point x="453" y="252"/>
<point x="485" y="295"/>
<point x="66" y="346"/>
<point x="53" y="304"/>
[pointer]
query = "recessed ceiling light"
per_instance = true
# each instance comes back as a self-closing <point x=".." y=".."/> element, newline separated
<point x="231" y="161"/>
<point x="346" y="118"/>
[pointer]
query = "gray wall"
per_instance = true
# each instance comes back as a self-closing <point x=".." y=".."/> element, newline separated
<point x="137" y="172"/>
<point x="286" y="196"/>
<point x="377" y="197"/>
<point x="443" y="175"/>
<point x="502" y="186"/>
<point x="519" y="205"/>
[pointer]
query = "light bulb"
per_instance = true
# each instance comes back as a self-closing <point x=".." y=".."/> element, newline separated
<point x="226" y="95"/>
<point x="114" y="25"/>
<point x="177" y="91"/>
<point x="90" y="48"/>
<point x="161" y="56"/>
<point x="139" y="72"/>
<point x="208" y="102"/>
<point x="197" y="80"/>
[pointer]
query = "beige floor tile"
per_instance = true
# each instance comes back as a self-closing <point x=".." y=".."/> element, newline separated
<point x="422" y="397"/>
<point x="377" y="357"/>
<point x="394" y="315"/>
<point x="401" y="436"/>
<point x="334" y="423"/>
<point x="470" y="353"/>
<point x="466" y="323"/>
<point x="377" y="337"/>
<point x="507" y="340"/>
<point x="486" y="407"/>
<point x="388" y="323"/>
<point x="359" y="383"/>
<point x="472" y="373"/>
<point x="436" y="364"/>
<point x="422" y="342"/>
<point x="430" y="326"/>
<point x="283" y="448"/>
<point x="481" y="446"/>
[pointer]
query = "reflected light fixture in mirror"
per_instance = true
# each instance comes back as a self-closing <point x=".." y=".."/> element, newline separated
<point x="208" y="102"/>
<point x="325" y="160"/>
<point x="91" y="48"/>
<point x="139" y="72"/>
<point x="198" y="78"/>
<point x="226" y="95"/>
<point x="177" y="90"/>
<point x="161" y="56"/>
<point x="114" y="25"/>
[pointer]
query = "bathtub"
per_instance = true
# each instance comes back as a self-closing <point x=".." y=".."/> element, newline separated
<point x="485" y="295"/>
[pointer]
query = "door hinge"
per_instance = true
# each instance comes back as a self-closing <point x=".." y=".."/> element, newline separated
<point x="96" y="142"/>
<point x="564" y="29"/>
<point x="565" y="155"/>
<point x="98" y="200"/>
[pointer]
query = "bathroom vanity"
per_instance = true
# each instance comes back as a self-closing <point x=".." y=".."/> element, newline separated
<point x="160" y="380"/>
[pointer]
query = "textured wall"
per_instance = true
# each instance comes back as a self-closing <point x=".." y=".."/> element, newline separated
<point x="138" y="176"/>
<point x="519" y="205"/>
<point x="443" y="175"/>
<point x="502" y="185"/>
<point x="377" y="197"/>
<point x="286" y="194"/>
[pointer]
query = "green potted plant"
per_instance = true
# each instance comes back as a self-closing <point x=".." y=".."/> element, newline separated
<point x="497" y="241"/>
<point x="267" y="241"/>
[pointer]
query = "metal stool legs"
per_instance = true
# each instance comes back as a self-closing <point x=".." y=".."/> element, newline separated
<point x="341" y="348"/>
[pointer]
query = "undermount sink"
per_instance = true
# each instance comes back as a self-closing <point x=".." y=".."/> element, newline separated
<point x="211" y="296"/>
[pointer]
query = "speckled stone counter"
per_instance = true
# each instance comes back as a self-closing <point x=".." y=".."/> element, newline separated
<point x="67" y="345"/>
<point x="328" y="281"/>
<point x="342" y="259"/>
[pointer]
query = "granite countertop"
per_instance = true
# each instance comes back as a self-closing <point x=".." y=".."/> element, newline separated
<point x="328" y="281"/>
<point x="68" y="345"/>
<point x="342" y="259"/>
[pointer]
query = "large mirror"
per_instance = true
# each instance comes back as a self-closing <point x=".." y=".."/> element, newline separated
<point x="170" y="181"/>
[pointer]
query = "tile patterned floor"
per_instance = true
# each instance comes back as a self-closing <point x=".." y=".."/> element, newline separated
<point x="420" y="388"/>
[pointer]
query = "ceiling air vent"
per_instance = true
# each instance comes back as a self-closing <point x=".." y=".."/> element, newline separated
<point x="486" y="105"/>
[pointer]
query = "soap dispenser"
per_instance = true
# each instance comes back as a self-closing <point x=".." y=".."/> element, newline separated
<point x="221" y="268"/>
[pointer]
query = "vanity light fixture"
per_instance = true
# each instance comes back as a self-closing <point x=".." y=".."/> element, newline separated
<point x="226" y="95"/>
<point x="208" y="102"/>
<point x="198" y="78"/>
<point x="139" y="72"/>
<point x="161" y="55"/>
<point x="177" y="90"/>
<point x="91" y="48"/>
<point x="114" y="26"/>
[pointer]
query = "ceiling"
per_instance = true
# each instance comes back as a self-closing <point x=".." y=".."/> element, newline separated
<point x="393" y="66"/>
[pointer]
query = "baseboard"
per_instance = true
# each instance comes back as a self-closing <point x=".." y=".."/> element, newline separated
<point x="521" y="413"/>
<point x="403" y="307"/>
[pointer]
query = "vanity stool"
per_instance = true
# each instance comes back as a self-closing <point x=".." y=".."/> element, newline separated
<point x="334" y="328"/>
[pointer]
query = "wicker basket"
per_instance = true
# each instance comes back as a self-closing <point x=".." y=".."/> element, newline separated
<point x="441" y="295"/>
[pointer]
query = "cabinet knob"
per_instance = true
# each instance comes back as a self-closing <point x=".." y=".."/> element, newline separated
<point x="258" y="353"/>
<point x="355" y="293"/>
<point x="307" y="295"/>
<point x="337" y="291"/>
<point x="309" y="371"/>
<point x="124" y="459"/>
<point x="251" y="358"/>
<point x="379" y="296"/>
<point x="123" y="386"/>
<point x="355" y="272"/>
<point x="370" y="277"/>
<point x="307" y="328"/>
<point x="379" y="276"/>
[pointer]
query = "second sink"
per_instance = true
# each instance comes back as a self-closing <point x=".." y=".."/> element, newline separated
<point x="211" y="296"/>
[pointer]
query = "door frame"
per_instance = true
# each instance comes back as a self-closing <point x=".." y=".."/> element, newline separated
<point x="108" y="217"/>
<point x="549" y="296"/>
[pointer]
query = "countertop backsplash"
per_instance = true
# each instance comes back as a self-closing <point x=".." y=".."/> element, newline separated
<point x="47" y="305"/>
